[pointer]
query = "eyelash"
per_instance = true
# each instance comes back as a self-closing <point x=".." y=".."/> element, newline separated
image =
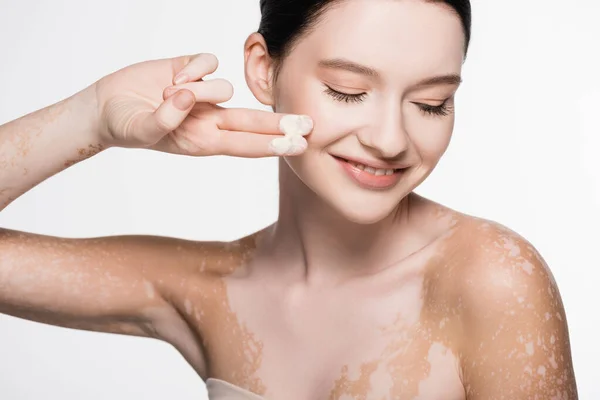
<point x="441" y="110"/>
<point x="348" y="98"/>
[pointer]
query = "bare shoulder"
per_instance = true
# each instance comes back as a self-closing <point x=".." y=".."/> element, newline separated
<point x="500" y="265"/>
<point x="515" y="340"/>
<point x="218" y="258"/>
<point x="200" y="264"/>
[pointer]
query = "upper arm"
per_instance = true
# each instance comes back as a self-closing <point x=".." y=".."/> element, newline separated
<point x="516" y="340"/>
<point x="109" y="284"/>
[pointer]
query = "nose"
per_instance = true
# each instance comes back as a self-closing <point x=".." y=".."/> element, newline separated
<point x="386" y="135"/>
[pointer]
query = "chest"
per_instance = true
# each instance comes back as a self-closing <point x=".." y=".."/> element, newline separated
<point x="363" y="343"/>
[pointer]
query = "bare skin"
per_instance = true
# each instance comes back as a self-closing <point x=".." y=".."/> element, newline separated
<point x="473" y="314"/>
<point x="419" y="329"/>
<point x="400" y="299"/>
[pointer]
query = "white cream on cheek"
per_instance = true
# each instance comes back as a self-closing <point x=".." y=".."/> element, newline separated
<point x="294" y="127"/>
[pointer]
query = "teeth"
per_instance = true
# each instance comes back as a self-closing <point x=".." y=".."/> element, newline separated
<point x="371" y="170"/>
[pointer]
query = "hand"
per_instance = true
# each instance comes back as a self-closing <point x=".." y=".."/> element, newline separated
<point x="147" y="105"/>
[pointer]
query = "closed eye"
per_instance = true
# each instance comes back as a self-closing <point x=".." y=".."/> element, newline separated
<point x="442" y="110"/>
<point x="345" y="97"/>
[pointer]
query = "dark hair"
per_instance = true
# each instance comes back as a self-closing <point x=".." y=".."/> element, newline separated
<point x="283" y="22"/>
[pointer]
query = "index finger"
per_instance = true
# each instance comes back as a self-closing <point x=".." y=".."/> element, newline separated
<point x="196" y="68"/>
<point x="264" y="122"/>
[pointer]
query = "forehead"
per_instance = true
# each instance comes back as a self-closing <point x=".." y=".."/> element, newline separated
<point x="412" y="37"/>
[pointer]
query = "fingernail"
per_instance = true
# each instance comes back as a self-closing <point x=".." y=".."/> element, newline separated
<point x="296" y="124"/>
<point x="183" y="100"/>
<point x="180" y="79"/>
<point x="170" y="90"/>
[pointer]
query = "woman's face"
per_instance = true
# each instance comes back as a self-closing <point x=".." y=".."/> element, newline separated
<point x="360" y="75"/>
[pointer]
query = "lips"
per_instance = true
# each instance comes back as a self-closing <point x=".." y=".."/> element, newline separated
<point x="370" y="175"/>
<point x="372" y="170"/>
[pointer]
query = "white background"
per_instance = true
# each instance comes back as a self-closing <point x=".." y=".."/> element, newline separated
<point x="523" y="153"/>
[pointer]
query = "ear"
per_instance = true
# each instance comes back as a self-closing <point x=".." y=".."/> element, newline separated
<point x="259" y="69"/>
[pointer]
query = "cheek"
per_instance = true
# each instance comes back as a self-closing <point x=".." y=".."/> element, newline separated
<point x="331" y="121"/>
<point x="431" y="138"/>
<point x="296" y="94"/>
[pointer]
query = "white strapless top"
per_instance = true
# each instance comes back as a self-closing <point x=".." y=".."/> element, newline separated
<point x="221" y="390"/>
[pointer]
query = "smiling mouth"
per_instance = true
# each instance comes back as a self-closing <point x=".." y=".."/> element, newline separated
<point x="369" y="169"/>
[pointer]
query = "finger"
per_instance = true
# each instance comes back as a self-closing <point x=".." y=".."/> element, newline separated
<point x="251" y="145"/>
<point x="167" y="117"/>
<point x="199" y="66"/>
<point x="212" y="91"/>
<point x="288" y="145"/>
<point x="258" y="121"/>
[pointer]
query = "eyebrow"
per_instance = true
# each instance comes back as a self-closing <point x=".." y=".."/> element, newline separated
<point x="347" y="65"/>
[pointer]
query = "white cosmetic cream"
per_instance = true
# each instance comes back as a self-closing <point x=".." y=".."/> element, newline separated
<point x="294" y="127"/>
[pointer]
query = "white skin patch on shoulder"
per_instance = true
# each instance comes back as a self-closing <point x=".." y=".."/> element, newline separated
<point x="439" y="358"/>
<point x="515" y="253"/>
<point x="381" y="382"/>
<point x="444" y="321"/>
<point x="512" y="247"/>
<point x="188" y="307"/>
<point x="527" y="267"/>
<point x="149" y="289"/>
<point x="354" y="371"/>
<point x="529" y="348"/>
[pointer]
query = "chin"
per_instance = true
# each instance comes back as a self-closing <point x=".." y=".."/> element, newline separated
<point x="360" y="217"/>
<point x="345" y="197"/>
<point x="363" y="211"/>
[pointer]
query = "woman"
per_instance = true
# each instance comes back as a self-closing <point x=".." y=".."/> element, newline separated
<point x="361" y="289"/>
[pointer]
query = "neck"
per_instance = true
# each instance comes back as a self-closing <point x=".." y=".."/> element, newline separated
<point x="322" y="246"/>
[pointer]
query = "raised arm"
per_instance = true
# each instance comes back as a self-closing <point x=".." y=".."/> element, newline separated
<point x="103" y="284"/>
<point x="45" y="142"/>
<point x="118" y="284"/>
<point x="140" y="106"/>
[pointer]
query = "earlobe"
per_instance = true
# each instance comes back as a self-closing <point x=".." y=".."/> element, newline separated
<point x="258" y="68"/>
